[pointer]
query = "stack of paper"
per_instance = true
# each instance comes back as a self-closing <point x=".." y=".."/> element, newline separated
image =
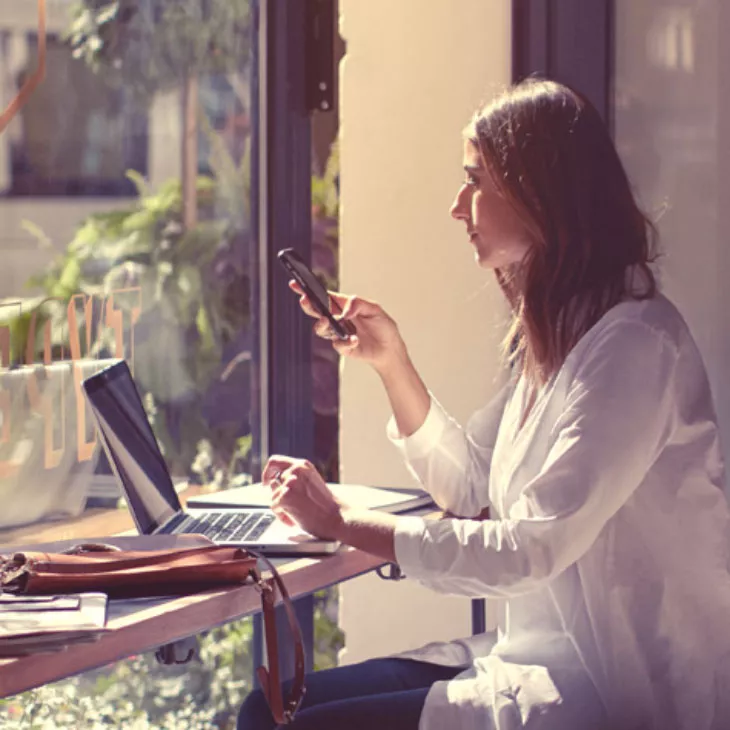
<point x="33" y="624"/>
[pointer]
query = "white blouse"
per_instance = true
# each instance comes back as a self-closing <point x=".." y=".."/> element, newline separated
<point x="609" y="538"/>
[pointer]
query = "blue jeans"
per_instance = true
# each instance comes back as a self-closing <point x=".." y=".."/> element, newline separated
<point x="387" y="694"/>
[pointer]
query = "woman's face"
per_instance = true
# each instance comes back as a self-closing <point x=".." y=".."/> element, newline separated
<point x="499" y="236"/>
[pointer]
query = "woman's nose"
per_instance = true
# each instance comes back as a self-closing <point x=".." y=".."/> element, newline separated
<point x="458" y="209"/>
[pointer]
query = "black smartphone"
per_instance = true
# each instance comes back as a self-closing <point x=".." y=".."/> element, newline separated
<point x="314" y="290"/>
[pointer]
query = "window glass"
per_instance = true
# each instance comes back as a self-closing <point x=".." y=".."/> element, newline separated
<point x="77" y="135"/>
<point x="672" y="118"/>
<point x="127" y="230"/>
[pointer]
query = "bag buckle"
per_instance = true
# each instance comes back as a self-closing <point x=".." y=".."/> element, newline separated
<point x="260" y="585"/>
<point x="294" y="707"/>
<point x="265" y="590"/>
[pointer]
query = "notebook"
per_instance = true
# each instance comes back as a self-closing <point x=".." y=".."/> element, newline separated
<point x="34" y="624"/>
<point x="136" y="459"/>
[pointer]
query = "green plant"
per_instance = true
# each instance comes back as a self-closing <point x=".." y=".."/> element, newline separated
<point x="142" y="694"/>
<point x="194" y="305"/>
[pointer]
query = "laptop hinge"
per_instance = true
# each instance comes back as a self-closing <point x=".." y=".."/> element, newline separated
<point x="171" y="524"/>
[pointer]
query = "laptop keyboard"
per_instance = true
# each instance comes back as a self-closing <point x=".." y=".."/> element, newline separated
<point x="228" y="527"/>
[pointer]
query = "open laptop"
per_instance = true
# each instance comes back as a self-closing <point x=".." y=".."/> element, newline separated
<point x="137" y="461"/>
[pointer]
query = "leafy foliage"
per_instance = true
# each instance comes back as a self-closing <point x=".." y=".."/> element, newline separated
<point x="152" y="45"/>
<point x="195" y="304"/>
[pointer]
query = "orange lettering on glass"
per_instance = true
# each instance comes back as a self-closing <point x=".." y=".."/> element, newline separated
<point x="115" y="318"/>
<point x="82" y="339"/>
<point x="7" y="468"/>
<point x="42" y="402"/>
<point x="85" y="447"/>
<point x="84" y="315"/>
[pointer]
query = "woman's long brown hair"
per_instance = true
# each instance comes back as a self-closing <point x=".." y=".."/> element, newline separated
<point x="551" y="155"/>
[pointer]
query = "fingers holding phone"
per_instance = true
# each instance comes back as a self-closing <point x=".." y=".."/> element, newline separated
<point x="323" y="326"/>
<point x="318" y="302"/>
<point x="304" y="300"/>
<point x="357" y="327"/>
<point x="376" y="337"/>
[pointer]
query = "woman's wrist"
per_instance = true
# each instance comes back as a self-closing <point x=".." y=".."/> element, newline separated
<point x="368" y="530"/>
<point x="395" y="364"/>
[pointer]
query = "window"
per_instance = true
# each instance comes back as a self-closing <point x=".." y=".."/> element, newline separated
<point x="148" y="185"/>
<point x="163" y="278"/>
<point x="671" y="117"/>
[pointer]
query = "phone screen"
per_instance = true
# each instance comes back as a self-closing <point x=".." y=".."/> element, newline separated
<point x="314" y="290"/>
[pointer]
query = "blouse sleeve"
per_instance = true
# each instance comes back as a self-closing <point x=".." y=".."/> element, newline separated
<point x="450" y="462"/>
<point x="618" y="415"/>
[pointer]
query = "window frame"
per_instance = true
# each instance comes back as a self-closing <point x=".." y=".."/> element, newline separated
<point x="570" y="41"/>
<point x="284" y="203"/>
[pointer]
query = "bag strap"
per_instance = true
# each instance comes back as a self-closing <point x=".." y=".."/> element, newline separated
<point x="283" y="711"/>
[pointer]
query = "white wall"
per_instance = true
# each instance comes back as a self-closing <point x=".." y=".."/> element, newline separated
<point x="413" y="74"/>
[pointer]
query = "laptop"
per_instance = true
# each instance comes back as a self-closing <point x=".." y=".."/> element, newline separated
<point x="135" y="457"/>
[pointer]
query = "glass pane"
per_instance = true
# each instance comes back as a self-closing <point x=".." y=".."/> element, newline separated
<point x="128" y="230"/>
<point x="672" y="118"/>
<point x="84" y="151"/>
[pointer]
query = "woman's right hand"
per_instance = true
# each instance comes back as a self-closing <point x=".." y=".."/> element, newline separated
<point x="377" y="340"/>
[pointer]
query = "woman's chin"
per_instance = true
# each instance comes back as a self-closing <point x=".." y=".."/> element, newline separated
<point x="483" y="261"/>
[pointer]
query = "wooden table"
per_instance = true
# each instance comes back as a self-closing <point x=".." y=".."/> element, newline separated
<point x="140" y="625"/>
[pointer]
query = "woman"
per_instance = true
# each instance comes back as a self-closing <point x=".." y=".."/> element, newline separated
<point x="600" y="465"/>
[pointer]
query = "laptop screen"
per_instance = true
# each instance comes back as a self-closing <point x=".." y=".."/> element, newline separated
<point x="131" y="447"/>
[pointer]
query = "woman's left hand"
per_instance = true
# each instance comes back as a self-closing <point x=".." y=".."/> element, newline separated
<point x="300" y="496"/>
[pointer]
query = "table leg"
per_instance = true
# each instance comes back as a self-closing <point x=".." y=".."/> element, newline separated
<point x="478" y="616"/>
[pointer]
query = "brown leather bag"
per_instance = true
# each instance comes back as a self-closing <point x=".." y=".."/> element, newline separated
<point x="130" y="574"/>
